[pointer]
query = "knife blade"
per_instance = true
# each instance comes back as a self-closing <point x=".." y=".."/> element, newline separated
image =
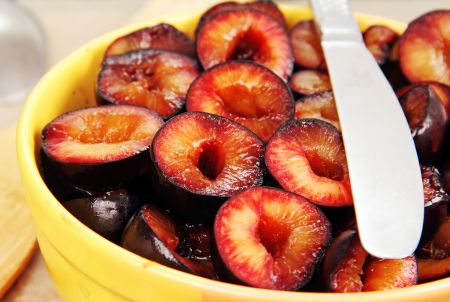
<point x="382" y="161"/>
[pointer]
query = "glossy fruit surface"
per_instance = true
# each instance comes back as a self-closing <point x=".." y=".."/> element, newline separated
<point x="306" y="45"/>
<point x="245" y="34"/>
<point x="161" y="36"/>
<point x="152" y="78"/>
<point x="320" y="106"/>
<point x="107" y="213"/>
<point x="427" y="118"/>
<point x="347" y="267"/>
<point x="265" y="6"/>
<point x="245" y="92"/>
<point x="307" y="82"/>
<point x="101" y="146"/>
<point x="214" y="159"/>
<point x="379" y="41"/>
<point x="424" y="54"/>
<point x="307" y="157"/>
<point x="152" y="234"/>
<point x="436" y="202"/>
<point x="261" y="232"/>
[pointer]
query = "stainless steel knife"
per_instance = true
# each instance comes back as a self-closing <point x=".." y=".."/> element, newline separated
<point x="382" y="160"/>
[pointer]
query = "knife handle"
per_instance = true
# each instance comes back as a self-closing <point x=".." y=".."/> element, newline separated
<point x="335" y="22"/>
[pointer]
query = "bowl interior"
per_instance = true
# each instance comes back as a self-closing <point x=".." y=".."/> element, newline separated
<point x="71" y="85"/>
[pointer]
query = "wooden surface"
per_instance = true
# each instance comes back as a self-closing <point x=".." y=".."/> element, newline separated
<point x="65" y="32"/>
<point x="17" y="238"/>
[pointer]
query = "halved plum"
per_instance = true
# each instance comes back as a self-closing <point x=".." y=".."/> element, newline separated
<point x="446" y="175"/>
<point x="379" y="41"/>
<point x="386" y="274"/>
<point x="244" y="92"/>
<point x="439" y="245"/>
<point x="342" y="266"/>
<point x="270" y="8"/>
<point x="201" y="159"/>
<point x="347" y="267"/>
<point x="434" y="261"/>
<point x="161" y="36"/>
<point x="152" y="234"/>
<point x="245" y="34"/>
<point x="60" y="187"/>
<point x="195" y="242"/>
<point x="270" y="238"/>
<point x="307" y="82"/>
<point x="320" y="106"/>
<point x="152" y="78"/>
<point x="306" y="45"/>
<point x="430" y="269"/>
<point x="427" y="118"/>
<point x="106" y="214"/>
<point x="307" y="157"/>
<point x="101" y="146"/>
<point x="424" y="48"/>
<point x="442" y="92"/>
<point x="265" y="6"/>
<point x="436" y="202"/>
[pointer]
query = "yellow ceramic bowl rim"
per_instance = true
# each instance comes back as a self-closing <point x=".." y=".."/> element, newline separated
<point x="27" y="142"/>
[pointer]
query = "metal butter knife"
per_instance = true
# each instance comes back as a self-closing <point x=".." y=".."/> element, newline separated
<point x="383" y="166"/>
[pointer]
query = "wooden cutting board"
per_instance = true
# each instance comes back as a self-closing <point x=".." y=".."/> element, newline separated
<point x="17" y="237"/>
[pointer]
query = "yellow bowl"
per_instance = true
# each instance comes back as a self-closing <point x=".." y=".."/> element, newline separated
<point x="86" y="267"/>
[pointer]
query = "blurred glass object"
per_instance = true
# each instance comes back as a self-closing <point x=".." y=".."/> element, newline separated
<point x="22" y="53"/>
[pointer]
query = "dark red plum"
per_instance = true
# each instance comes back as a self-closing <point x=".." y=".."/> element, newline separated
<point x="270" y="238"/>
<point x="152" y="78"/>
<point x="436" y="202"/>
<point x="427" y="118"/>
<point x="202" y="159"/>
<point x="245" y="34"/>
<point x="379" y="41"/>
<point x="161" y="36"/>
<point x="153" y="234"/>
<point x="347" y="267"/>
<point x="106" y="214"/>
<point x="101" y="146"/>
<point x="244" y="92"/>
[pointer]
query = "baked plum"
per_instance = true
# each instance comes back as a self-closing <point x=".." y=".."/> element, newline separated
<point x="424" y="48"/>
<point x="201" y="159"/>
<point x="152" y="78"/>
<point x="245" y="34"/>
<point x="106" y="214"/>
<point x="152" y="234"/>
<point x="307" y="82"/>
<point x="270" y="238"/>
<point x="347" y="267"/>
<point x="427" y="118"/>
<point x="101" y="146"/>
<point x="319" y="106"/>
<point x="161" y="36"/>
<point x="244" y="92"/>
<point x="307" y="157"/>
